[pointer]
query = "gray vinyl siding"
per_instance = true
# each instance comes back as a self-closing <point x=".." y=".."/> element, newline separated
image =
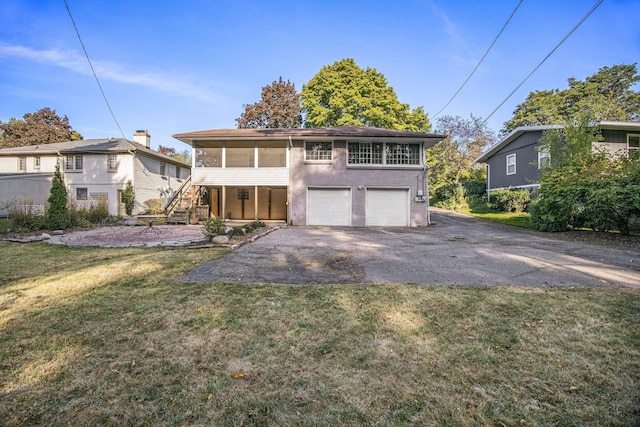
<point x="527" y="172"/>
<point x="616" y="136"/>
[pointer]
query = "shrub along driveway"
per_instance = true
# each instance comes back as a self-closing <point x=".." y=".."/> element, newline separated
<point x="456" y="250"/>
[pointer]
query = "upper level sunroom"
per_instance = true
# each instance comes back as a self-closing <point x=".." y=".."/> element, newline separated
<point x="271" y="148"/>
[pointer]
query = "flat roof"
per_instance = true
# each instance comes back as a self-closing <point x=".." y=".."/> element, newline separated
<point x="343" y="132"/>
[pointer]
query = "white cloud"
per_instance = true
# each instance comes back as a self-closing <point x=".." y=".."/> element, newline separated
<point x="74" y="61"/>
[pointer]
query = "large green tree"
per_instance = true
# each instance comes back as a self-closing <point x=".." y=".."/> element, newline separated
<point x="451" y="160"/>
<point x="279" y="107"/>
<point x="343" y="94"/>
<point x="570" y="144"/>
<point x="42" y="127"/>
<point x="606" y="95"/>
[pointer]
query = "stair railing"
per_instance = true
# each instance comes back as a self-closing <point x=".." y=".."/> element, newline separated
<point x="175" y="200"/>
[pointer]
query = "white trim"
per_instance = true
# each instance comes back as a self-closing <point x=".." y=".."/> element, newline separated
<point x="511" y="156"/>
<point x="511" y="187"/>
<point x="629" y="148"/>
<point x="318" y="160"/>
<point x="543" y="154"/>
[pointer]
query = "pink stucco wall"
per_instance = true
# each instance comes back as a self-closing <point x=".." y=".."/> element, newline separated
<point x="337" y="174"/>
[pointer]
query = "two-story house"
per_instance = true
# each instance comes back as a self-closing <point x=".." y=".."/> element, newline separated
<point x="342" y="176"/>
<point x="516" y="162"/>
<point x="93" y="170"/>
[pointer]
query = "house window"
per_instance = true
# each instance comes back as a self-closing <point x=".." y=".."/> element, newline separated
<point x="177" y="171"/>
<point x="163" y="168"/>
<point x="544" y="158"/>
<point x="73" y="163"/>
<point x="272" y="154"/>
<point x="22" y="164"/>
<point x="240" y="155"/>
<point x="36" y="162"/>
<point x="318" y="151"/>
<point x="112" y="162"/>
<point x="402" y="154"/>
<point x="209" y="156"/>
<point x="365" y="153"/>
<point x="633" y="145"/>
<point x="81" y="193"/>
<point x="511" y="164"/>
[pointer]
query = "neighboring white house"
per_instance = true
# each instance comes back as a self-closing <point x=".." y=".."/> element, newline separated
<point x="93" y="170"/>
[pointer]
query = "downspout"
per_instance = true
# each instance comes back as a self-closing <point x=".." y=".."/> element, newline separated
<point x="290" y="193"/>
<point x="488" y="182"/>
<point x="425" y="187"/>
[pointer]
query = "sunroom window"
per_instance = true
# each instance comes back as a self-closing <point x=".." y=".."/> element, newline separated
<point x="316" y="151"/>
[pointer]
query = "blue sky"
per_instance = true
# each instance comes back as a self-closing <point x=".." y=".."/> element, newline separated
<point x="171" y="67"/>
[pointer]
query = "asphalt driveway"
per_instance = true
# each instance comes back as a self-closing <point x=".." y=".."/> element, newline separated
<point x="455" y="250"/>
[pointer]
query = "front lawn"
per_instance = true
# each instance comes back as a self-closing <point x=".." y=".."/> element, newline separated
<point x="112" y="337"/>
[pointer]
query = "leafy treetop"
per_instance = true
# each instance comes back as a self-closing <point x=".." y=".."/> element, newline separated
<point x="451" y="160"/>
<point x="42" y="127"/>
<point x="606" y="95"/>
<point x="181" y="156"/>
<point x="343" y="94"/>
<point x="279" y="107"/>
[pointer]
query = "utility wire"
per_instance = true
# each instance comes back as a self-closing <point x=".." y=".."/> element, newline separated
<point x="482" y="59"/>
<point x="584" y="18"/>
<point x="93" y="70"/>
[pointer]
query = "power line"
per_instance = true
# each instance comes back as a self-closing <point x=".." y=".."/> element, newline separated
<point x="480" y="62"/>
<point x="93" y="70"/>
<point x="584" y="18"/>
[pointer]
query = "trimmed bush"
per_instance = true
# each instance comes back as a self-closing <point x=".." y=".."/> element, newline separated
<point x="154" y="206"/>
<point x="57" y="214"/>
<point x="128" y="198"/>
<point x="602" y="195"/>
<point x="510" y="200"/>
<point x="213" y="227"/>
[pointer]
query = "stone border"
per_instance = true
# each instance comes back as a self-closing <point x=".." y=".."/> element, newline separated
<point x="229" y="246"/>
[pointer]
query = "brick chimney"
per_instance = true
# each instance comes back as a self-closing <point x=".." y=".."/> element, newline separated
<point x="143" y="138"/>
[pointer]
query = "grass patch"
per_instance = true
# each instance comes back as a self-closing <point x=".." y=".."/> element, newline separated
<point x="111" y="337"/>
<point x="481" y="210"/>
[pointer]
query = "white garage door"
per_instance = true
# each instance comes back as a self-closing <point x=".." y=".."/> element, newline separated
<point x="329" y="206"/>
<point x="387" y="207"/>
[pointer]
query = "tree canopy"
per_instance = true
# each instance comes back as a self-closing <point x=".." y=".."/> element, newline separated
<point x="606" y="95"/>
<point x="181" y="156"/>
<point x="451" y="160"/>
<point x="343" y="94"/>
<point x="42" y="127"/>
<point x="279" y="107"/>
<point x="571" y="144"/>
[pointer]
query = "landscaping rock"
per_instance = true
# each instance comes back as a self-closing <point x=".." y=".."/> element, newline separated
<point x="58" y="232"/>
<point x="45" y="236"/>
<point x="228" y="230"/>
<point x="220" y="240"/>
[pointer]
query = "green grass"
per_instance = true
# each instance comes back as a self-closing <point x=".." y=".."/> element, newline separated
<point x="481" y="210"/>
<point x="112" y="337"/>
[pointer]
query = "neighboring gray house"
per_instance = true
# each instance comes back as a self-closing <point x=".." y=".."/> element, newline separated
<point x="93" y="170"/>
<point x="515" y="162"/>
<point x="343" y="176"/>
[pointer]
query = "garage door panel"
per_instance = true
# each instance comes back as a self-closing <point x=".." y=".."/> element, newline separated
<point x="387" y="207"/>
<point x="329" y="206"/>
